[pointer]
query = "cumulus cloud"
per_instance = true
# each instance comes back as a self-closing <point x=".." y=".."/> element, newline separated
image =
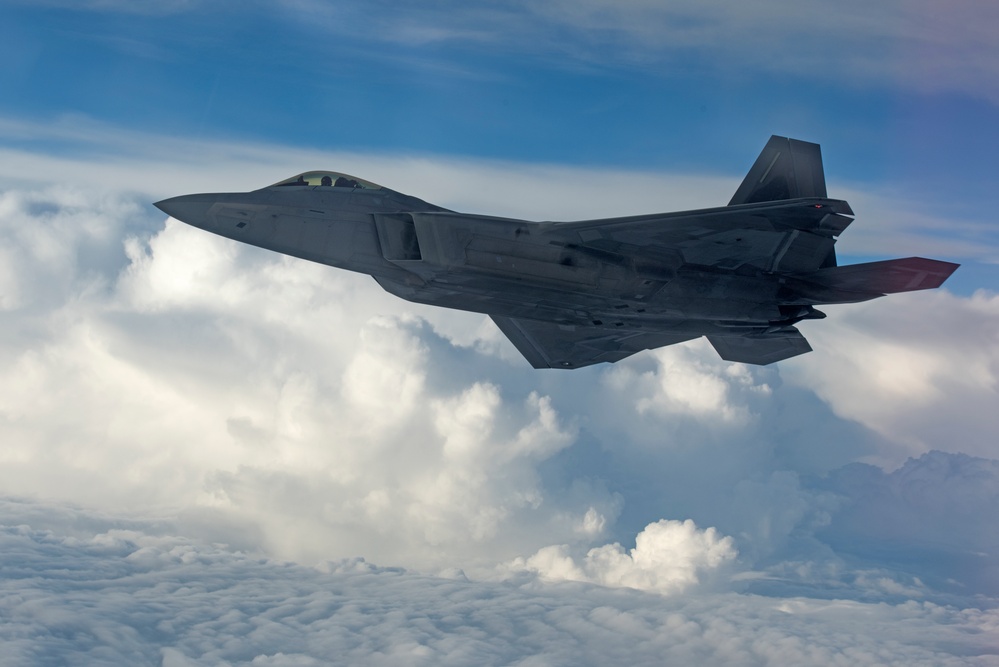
<point x="928" y="364"/>
<point x="691" y="381"/>
<point x="289" y="409"/>
<point x="192" y="385"/>
<point x="940" y="506"/>
<point x="668" y="558"/>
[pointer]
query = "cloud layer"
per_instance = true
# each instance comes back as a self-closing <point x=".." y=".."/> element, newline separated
<point x="290" y="411"/>
<point x="135" y="594"/>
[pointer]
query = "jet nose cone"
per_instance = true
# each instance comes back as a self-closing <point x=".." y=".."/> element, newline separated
<point x="192" y="209"/>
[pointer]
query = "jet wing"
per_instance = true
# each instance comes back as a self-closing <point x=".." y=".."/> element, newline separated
<point x="793" y="236"/>
<point x="550" y="345"/>
<point x="761" y="349"/>
<point x="779" y="219"/>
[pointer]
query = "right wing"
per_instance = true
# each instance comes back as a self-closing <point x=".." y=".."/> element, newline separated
<point x="550" y="345"/>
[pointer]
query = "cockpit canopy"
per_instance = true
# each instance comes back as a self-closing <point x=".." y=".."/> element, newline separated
<point x="329" y="179"/>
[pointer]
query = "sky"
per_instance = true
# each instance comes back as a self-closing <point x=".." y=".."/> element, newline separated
<point x="215" y="455"/>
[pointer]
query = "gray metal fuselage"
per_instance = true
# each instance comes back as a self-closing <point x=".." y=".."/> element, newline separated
<point x="514" y="268"/>
<point x="571" y="294"/>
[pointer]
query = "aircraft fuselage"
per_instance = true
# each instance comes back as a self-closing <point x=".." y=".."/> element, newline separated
<point x="515" y="268"/>
<point x="569" y="294"/>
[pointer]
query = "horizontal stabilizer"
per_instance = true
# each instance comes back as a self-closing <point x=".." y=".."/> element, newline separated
<point x="887" y="277"/>
<point x="761" y="350"/>
<point x="786" y="169"/>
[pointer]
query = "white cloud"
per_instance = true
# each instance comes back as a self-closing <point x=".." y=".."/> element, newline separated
<point x="668" y="558"/>
<point x="691" y="381"/>
<point x="291" y="409"/>
<point x="886" y="228"/>
<point x="921" y="369"/>
<point x="941" y="506"/>
<point x="100" y="589"/>
<point x="890" y="220"/>
<point x="206" y="375"/>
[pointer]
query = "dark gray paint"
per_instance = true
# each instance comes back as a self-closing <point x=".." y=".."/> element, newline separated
<point x="571" y="294"/>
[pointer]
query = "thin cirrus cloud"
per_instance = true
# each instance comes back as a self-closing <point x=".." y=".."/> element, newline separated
<point x="915" y="46"/>
<point x="146" y="7"/>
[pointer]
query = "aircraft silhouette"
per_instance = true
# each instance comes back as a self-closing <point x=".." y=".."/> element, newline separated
<point x="572" y="294"/>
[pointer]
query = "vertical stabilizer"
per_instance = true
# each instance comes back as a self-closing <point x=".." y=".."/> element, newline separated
<point x="786" y="169"/>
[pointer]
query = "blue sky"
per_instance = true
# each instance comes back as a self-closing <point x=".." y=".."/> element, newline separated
<point x="179" y="413"/>
<point x="505" y="81"/>
<point x="525" y="86"/>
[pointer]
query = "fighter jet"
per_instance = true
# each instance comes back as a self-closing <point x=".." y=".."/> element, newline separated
<point x="572" y="294"/>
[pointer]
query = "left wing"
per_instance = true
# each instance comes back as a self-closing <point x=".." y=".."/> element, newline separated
<point x="550" y="345"/>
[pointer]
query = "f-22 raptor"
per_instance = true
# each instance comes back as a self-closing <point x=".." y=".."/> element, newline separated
<point x="572" y="294"/>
